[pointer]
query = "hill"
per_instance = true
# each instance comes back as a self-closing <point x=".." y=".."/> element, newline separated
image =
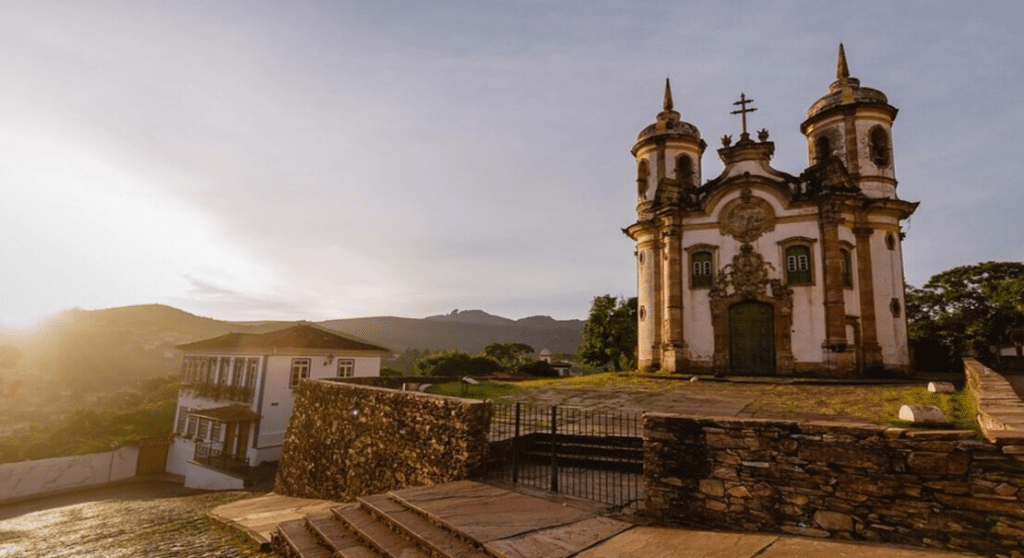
<point x="115" y="348"/>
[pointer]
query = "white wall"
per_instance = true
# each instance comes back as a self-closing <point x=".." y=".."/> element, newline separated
<point x="204" y="478"/>
<point x="28" y="478"/>
<point x="279" y="396"/>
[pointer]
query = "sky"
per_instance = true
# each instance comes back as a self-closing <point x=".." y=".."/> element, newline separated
<point x="251" y="160"/>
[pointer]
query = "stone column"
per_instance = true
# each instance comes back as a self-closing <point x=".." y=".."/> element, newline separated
<point x="835" y="310"/>
<point x="866" y="288"/>
<point x="673" y="346"/>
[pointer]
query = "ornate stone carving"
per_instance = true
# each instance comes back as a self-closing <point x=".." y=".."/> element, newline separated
<point x="747" y="275"/>
<point x="747" y="218"/>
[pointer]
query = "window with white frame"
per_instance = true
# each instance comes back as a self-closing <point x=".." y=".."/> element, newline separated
<point x="252" y="368"/>
<point x="346" y="368"/>
<point x="798" y="265"/>
<point x="701" y="269"/>
<point x="300" y="371"/>
<point x="179" y="426"/>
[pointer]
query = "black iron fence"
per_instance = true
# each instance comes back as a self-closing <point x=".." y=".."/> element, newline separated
<point x="597" y="455"/>
<point x="216" y="458"/>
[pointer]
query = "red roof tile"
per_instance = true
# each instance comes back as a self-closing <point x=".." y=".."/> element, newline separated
<point x="301" y="336"/>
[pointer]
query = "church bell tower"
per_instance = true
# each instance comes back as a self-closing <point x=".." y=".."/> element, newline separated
<point x="854" y="123"/>
<point x="668" y="162"/>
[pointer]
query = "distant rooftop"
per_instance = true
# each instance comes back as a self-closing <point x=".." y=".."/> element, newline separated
<point x="300" y="336"/>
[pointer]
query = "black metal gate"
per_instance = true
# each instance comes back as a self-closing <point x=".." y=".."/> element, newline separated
<point x="597" y="455"/>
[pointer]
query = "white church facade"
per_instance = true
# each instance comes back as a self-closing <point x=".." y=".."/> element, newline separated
<point x="760" y="272"/>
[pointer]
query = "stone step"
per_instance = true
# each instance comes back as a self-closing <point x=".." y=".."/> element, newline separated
<point x="376" y="534"/>
<point x="436" y="539"/>
<point x="332" y="534"/>
<point x="293" y="540"/>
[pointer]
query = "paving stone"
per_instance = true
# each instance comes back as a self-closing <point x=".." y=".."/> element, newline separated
<point x="660" y="542"/>
<point x="788" y="547"/>
<point x="486" y="513"/>
<point x="559" y="542"/>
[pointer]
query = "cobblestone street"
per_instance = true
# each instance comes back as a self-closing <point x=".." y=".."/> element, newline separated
<point x="156" y="520"/>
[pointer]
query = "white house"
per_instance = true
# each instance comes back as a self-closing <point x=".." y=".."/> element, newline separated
<point x="237" y="395"/>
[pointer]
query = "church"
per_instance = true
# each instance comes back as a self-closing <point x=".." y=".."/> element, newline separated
<point x="761" y="272"/>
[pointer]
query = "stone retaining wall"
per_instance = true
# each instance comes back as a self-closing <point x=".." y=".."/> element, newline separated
<point x="347" y="440"/>
<point x="843" y="481"/>
<point x="1000" y="411"/>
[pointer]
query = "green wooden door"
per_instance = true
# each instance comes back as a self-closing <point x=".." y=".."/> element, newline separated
<point x="752" y="338"/>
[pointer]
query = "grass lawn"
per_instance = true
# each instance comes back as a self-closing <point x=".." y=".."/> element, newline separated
<point x="866" y="403"/>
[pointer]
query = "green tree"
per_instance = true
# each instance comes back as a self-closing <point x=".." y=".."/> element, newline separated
<point x="455" y="365"/>
<point x="609" y="334"/>
<point x="964" y="311"/>
<point x="510" y="355"/>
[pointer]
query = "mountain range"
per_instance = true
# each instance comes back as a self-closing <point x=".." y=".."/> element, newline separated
<point x="115" y="347"/>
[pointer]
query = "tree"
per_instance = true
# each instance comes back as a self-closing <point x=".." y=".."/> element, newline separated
<point x="455" y="365"/>
<point x="609" y="334"/>
<point x="964" y="311"/>
<point x="510" y="355"/>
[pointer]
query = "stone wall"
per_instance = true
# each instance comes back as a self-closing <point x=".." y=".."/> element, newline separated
<point x="843" y="481"/>
<point x="1000" y="411"/>
<point x="347" y="440"/>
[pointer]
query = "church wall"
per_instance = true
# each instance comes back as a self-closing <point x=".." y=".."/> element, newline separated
<point x="888" y="272"/>
<point x="647" y="302"/>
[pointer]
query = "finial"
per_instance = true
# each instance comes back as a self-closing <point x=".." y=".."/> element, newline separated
<point x="842" y="70"/>
<point x="667" y="105"/>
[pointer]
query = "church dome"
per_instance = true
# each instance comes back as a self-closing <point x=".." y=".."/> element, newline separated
<point x="670" y="128"/>
<point x="846" y="90"/>
<point x="836" y="97"/>
<point x="669" y="124"/>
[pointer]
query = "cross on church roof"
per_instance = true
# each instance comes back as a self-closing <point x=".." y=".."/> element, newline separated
<point x="743" y="113"/>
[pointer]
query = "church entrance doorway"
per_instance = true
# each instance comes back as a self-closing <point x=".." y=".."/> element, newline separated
<point x="752" y="338"/>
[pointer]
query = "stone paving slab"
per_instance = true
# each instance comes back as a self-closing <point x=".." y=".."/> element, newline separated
<point x="486" y="513"/>
<point x="258" y="517"/>
<point x="559" y="542"/>
<point x="664" y="542"/>
<point x="515" y="525"/>
<point x="787" y="547"/>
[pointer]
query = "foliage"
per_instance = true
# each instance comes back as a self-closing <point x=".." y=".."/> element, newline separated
<point x="405" y="362"/>
<point x="509" y="355"/>
<point x="121" y="420"/>
<point x="610" y="333"/>
<point x="964" y="311"/>
<point x="456" y="364"/>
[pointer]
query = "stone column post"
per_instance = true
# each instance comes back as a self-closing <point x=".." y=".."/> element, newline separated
<point x="673" y="346"/>
<point x="835" y="310"/>
<point x="866" y="291"/>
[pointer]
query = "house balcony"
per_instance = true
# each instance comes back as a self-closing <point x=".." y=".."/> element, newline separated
<point x="213" y="456"/>
<point x="221" y="392"/>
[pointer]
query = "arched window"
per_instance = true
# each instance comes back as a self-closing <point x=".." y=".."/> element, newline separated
<point x="701" y="269"/>
<point x="880" y="152"/>
<point x="847" y="268"/>
<point x="642" y="172"/>
<point x="798" y="265"/>
<point x="684" y="169"/>
<point x="822" y="148"/>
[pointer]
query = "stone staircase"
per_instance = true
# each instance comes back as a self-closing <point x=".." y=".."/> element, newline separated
<point x="467" y="520"/>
